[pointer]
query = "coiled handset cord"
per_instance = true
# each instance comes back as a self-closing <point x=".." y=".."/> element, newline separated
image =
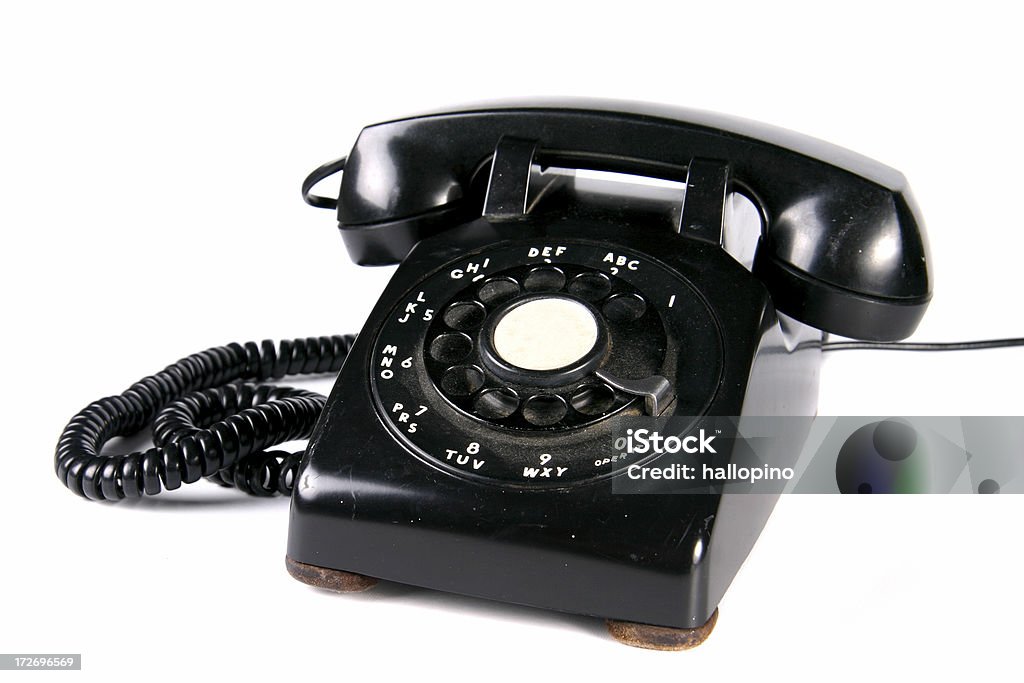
<point x="207" y="421"/>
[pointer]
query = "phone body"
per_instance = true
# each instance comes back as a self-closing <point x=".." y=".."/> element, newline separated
<point x="533" y="313"/>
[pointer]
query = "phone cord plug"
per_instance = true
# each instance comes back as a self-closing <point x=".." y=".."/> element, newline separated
<point x="207" y="421"/>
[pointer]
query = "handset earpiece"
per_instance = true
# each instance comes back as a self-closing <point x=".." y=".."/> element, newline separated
<point x="848" y="260"/>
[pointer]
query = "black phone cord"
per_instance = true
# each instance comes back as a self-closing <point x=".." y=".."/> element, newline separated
<point x="207" y="421"/>
<point x="978" y="345"/>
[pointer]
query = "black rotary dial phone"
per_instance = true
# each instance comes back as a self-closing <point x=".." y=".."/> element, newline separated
<point x="528" y="314"/>
<point x="464" y="446"/>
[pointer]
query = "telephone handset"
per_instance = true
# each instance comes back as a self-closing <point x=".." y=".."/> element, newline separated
<point x="464" y="445"/>
<point x="843" y="248"/>
<point x="467" y="445"/>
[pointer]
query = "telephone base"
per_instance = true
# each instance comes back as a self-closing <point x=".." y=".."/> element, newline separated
<point x="661" y="637"/>
<point x="329" y="579"/>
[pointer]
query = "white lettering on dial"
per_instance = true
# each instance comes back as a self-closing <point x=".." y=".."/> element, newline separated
<point x="546" y="252"/>
<point x="403" y="417"/>
<point x="410" y="309"/>
<point x="471" y="268"/>
<point x="620" y="261"/>
<point x="460" y="459"/>
<point x="549" y="472"/>
<point x="387" y="357"/>
<point x="544" y="472"/>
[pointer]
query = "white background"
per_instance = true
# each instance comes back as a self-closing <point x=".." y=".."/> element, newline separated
<point x="150" y="161"/>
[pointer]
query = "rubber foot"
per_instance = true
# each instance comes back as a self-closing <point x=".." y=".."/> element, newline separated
<point x="329" y="579"/>
<point x="661" y="637"/>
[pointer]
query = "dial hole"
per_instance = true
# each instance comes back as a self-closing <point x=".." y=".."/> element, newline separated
<point x="498" y="290"/>
<point x="451" y="348"/>
<point x="593" y="399"/>
<point x="495" y="404"/>
<point x="624" y="308"/>
<point x="590" y="286"/>
<point x="464" y="315"/>
<point x="462" y="380"/>
<point x="544" y="279"/>
<point x="544" y="410"/>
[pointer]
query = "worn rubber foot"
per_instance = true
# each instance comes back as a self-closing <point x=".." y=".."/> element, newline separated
<point x="331" y="579"/>
<point x="661" y="637"/>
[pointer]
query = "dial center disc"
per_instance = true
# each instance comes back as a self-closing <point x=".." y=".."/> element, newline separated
<point x="545" y="334"/>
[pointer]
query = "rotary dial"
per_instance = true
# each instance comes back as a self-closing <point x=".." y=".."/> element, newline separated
<point x="511" y="364"/>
